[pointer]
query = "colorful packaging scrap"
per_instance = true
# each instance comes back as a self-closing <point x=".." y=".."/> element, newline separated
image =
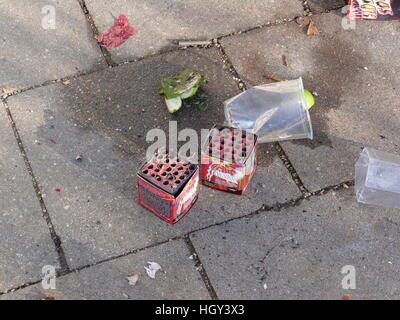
<point x="228" y="159"/>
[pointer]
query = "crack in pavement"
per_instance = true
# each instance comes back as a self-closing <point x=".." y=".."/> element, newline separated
<point x="278" y="207"/>
<point x="292" y="171"/>
<point x="106" y="54"/>
<point x="306" y="7"/>
<point x="200" y="268"/>
<point x="113" y="64"/>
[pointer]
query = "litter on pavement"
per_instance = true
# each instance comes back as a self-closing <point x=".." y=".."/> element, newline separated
<point x="152" y="269"/>
<point x="190" y="43"/>
<point x="119" y="33"/>
<point x="168" y="186"/>
<point x="312" y="29"/>
<point x="228" y="159"/>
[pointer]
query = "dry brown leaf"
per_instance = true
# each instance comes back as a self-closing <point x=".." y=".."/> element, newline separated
<point x="66" y="82"/>
<point x="312" y="29"/>
<point x="8" y="90"/>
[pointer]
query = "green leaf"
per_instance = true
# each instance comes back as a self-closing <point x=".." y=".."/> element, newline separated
<point x="168" y="88"/>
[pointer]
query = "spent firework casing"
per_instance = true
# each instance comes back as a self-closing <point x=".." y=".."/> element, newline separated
<point x="228" y="159"/>
<point x="168" y="186"/>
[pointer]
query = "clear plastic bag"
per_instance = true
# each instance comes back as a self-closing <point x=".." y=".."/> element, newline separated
<point x="377" y="178"/>
<point x="275" y="112"/>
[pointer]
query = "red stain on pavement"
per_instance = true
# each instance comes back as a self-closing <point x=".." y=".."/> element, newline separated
<point x="118" y="34"/>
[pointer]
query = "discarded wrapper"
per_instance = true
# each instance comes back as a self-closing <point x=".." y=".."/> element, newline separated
<point x="377" y="178"/>
<point x="152" y="269"/>
<point x="374" y="10"/>
<point x="274" y="112"/>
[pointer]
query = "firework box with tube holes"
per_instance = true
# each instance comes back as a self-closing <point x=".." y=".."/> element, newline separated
<point x="228" y="159"/>
<point x="168" y="186"/>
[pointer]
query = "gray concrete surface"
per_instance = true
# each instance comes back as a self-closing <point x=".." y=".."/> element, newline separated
<point x="160" y="22"/>
<point x="31" y="54"/>
<point x="299" y="252"/>
<point x="105" y="117"/>
<point x="177" y="280"/>
<point x="353" y="74"/>
<point x="296" y="252"/>
<point x="26" y="245"/>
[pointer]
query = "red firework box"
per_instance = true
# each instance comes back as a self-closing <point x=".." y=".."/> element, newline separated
<point x="168" y="186"/>
<point x="374" y="10"/>
<point x="228" y="159"/>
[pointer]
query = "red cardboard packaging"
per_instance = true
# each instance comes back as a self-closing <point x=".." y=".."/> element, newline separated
<point x="228" y="160"/>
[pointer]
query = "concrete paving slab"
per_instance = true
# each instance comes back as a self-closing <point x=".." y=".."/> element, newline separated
<point x="353" y="74"/>
<point x="323" y="5"/>
<point x="32" y="52"/>
<point x="299" y="252"/>
<point x="104" y="117"/>
<point x="26" y="245"/>
<point x="178" y="279"/>
<point x="159" y="22"/>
